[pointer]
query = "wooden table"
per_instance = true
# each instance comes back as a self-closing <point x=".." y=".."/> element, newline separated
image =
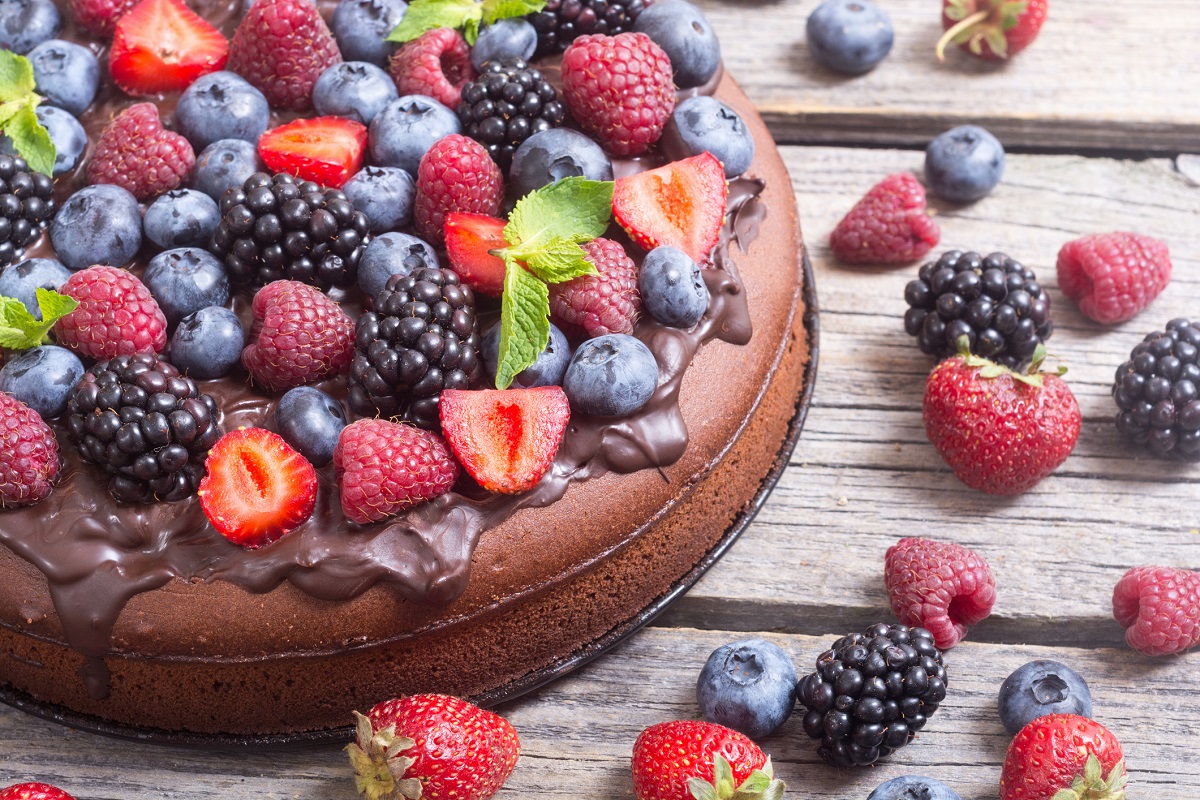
<point x="1104" y="80"/>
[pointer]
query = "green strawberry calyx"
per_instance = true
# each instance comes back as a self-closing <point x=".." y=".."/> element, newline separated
<point x="761" y="784"/>
<point x="1033" y="376"/>
<point x="977" y="22"/>
<point x="1092" y="785"/>
<point x="379" y="767"/>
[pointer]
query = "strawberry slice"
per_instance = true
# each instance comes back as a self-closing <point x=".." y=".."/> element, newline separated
<point x="257" y="488"/>
<point x="469" y="237"/>
<point x="505" y="438"/>
<point x="680" y="204"/>
<point x="162" y="46"/>
<point x="325" y="150"/>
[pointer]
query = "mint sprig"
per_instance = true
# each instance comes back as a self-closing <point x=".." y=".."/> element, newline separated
<point x="464" y="15"/>
<point x="20" y="330"/>
<point x="18" y="116"/>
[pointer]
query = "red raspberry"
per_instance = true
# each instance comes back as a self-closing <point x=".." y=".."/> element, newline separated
<point x="1113" y="276"/>
<point x="282" y="47"/>
<point x="299" y="336"/>
<point x="887" y="226"/>
<point x="385" y="467"/>
<point x="1159" y="608"/>
<point x="940" y="586"/>
<point x="607" y="302"/>
<point x="436" y="64"/>
<point x="28" y="454"/>
<point x="456" y="174"/>
<point x="137" y="153"/>
<point x="620" y="89"/>
<point x="116" y="315"/>
<point x="99" y="17"/>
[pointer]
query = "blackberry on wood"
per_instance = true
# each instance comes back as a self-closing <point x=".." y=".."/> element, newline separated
<point x="562" y="21"/>
<point x="1158" y="392"/>
<point x="26" y="206"/>
<point x="421" y="337"/>
<point x="872" y="692"/>
<point x="994" y="301"/>
<point x="509" y="102"/>
<point x="278" y="227"/>
<point x="145" y="424"/>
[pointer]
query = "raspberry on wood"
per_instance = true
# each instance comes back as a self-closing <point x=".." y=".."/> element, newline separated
<point x="940" y="586"/>
<point x="436" y="64"/>
<point x="887" y="226"/>
<point x="456" y="174"/>
<point x="1159" y="608"/>
<point x="1113" y="276"/>
<point x="138" y="154"/>
<point x="606" y="302"/>
<point x="386" y="467"/>
<point x="299" y="336"/>
<point x="29" y="459"/>
<point x="282" y="47"/>
<point x="116" y="315"/>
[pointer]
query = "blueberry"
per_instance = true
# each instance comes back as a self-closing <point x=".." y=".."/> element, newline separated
<point x="548" y="156"/>
<point x="849" y="36"/>
<point x="208" y="343"/>
<point x="354" y="89"/>
<point x="223" y="165"/>
<point x="1040" y="688"/>
<point x="682" y="30"/>
<point x="66" y="74"/>
<point x="42" y="378"/>
<point x="749" y="686"/>
<point x="384" y="194"/>
<point x="100" y="224"/>
<point x="67" y="134"/>
<point x="964" y="163"/>
<point x="22" y="280"/>
<point x="310" y="421"/>
<point x="392" y="254"/>
<point x="24" y="24"/>
<point x="186" y="280"/>
<point x="549" y="368"/>
<point x="406" y="128"/>
<point x="182" y="218"/>
<point x="706" y="124"/>
<point x="913" y="787"/>
<point x="221" y="105"/>
<point x="504" y="40"/>
<point x="672" y="289"/>
<point x="361" y="28"/>
<point x="611" y="376"/>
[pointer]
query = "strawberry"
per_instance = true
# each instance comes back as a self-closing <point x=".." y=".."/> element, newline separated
<point x="690" y="758"/>
<point x="505" y="438"/>
<point x="257" y="488"/>
<point x="162" y="46"/>
<point x="991" y="29"/>
<point x="680" y="204"/>
<point x="33" y="791"/>
<point x="1065" y="757"/>
<point x="470" y="238"/>
<point x="324" y="150"/>
<point x="433" y="747"/>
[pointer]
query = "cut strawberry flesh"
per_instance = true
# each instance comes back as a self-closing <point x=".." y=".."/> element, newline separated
<point x="325" y="150"/>
<point x="469" y="238"/>
<point x="163" y="46"/>
<point x="681" y="204"/>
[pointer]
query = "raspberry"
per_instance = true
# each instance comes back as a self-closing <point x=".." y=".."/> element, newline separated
<point x="99" y="17"/>
<point x="887" y="226"/>
<point x="940" y="586"/>
<point x="1113" y="276"/>
<point x="282" y="47"/>
<point x="607" y="302"/>
<point x="456" y="174"/>
<point x="385" y="467"/>
<point x="138" y="154"/>
<point x="1159" y="608"/>
<point x="299" y="336"/>
<point x="28" y="454"/>
<point x="620" y="89"/>
<point x="116" y="315"/>
<point x="436" y="64"/>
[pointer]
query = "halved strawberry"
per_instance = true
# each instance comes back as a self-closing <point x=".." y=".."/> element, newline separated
<point x="505" y="438"/>
<point x="325" y="150"/>
<point x="680" y="204"/>
<point x="162" y="46"/>
<point x="469" y="237"/>
<point x="257" y="488"/>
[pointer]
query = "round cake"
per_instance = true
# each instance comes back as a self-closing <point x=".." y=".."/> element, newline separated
<point x="129" y="617"/>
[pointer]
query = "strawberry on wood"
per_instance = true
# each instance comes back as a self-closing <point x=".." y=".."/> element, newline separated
<point x="991" y="29"/>
<point x="688" y="759"/>
<point x="1063" y="757"/>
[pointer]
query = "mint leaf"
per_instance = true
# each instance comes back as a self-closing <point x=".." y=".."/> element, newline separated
<point x="54" y="306"/>
<point x="428" y="15"/>
<point x="574" y="208"/>
<point x="559" y="260"/>
<point x="503" y="9"/>
<point x="30" y="139"/>
<point x="16" y="77"/>
<point x="524" y="322"/>
<point x="20" y="330"/>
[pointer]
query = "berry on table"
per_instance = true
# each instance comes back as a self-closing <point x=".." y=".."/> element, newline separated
<point x="672" y="288"/>
<point x="557" y="153"/>
<point x="163" y="46"/>
<point x="940" y="586"/>
<point x="281" y="47"/>
<point x="1157" y="392"/>
<point x="361" y="28"/>
<point x="456" y="174"/>
<point x="1039" y="688"/>
<point x="221" y="105"/>
<point x="26" y="206"/>
<point x="225" y="164"/>
<point x="208" y="343"/>
<point x="681" y="204"/>
<point x="28" y="23"/>
<point x="685" y="35"/>
<point x="548" y="370"/>
<point x="849" y="37"/>
<point x="913" y="787"/>
<point x="42" y="378"/>
<point x="889" y="225"/>
<point x="1113" y="276"/>
<point x="182" y="218"/>
<point x="403" y="132"/>
<point x="561" y="22"/>
<point x="33" y="791"/>
<point x="66" y="74"/>
<point x="386" y="467"/>
<point x="324" y="150"/>
<point x="66" y="133"/>
<point x="507" y="103"/>
<point x="611" y="376"/>
<point x="437" y="64"/>
<point x="393" y="253"/>
<point x="29" y="458"/>
<point x="385" y="196"/>
<point x="671" y="758"/>
<point x="299" y="336"/>
<point x="310" y="421"/>
<point x="1063" y="752"/>
<point x="355" y="89"/>
<point x="504" y="40"/>
<point x="749" y="685"/>
<point x="600" y="303"/>
<point x="116" y="315"/>
<point x="706" y="124"/>
<point x="993" y="30"/>
<point x="1159" y="608"/>
<point x="138" y="154"/>
<point x="22" y="280"/>
<point x="964" y="163"/>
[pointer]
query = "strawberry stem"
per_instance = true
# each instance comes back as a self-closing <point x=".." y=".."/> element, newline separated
<point x="957" y="28"/>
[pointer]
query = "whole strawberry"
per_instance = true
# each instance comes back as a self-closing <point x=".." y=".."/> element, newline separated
<point x="385" y="467"/>
<point x="1113" y="276"/>
<point x="282" y="47"/>
<point x="691" y="758"/>
<point x="33" y="791"/>
<point x="436" y="64"/>
<point x="456" y="174"/>
<point x="991" y="29"/>
<point x="1066" y="757"/>
<point x="1159" y="608"/>
<point x="116" y="315"/>
<point x="887" y="226"/>
<point x="433" y="747"/>
<point x="940" y="586"/>
<point x="29" y="460"/>
<point x="138" y="154"/>
<point x="299" y="336"/>
<point x="606" y="302"/>
<point x="1000" y="431"/>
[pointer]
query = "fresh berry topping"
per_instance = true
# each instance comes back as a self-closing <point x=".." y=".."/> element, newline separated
<point x="548" y="370"/>
<point x="557" y="153"/>
<point x="913" y="787"/>
<point x="324" y="150"/>
<point x="403" y="132"/>
<point x="991" y="29"/>
<point x="872" y="692"/>
<point x="561" y="22"/>
<point x="1040" y="688"/>
<point x="669" y="755"/>
<point x="1157" y="392"/>
<point x="185" y="280"/>
<point x="672" y="289"/>
<point x="66" y="74"/>
<point x="208" y="343"/>
<point x="26" y="206"/>
<point x="67" y="135"/>
<point x="436" y="64"/>
<point x="469" y="240"/>
<point x="392" y="253"/>
<point x="385" y="195"/>
<point x="506" y="104"/>
<point x="361" y="28"/>
<point x="22" y="280"/>
<point x="354" y="89"/>
<point x="849" y="36"/>
<point x="1113" y="276"/>
<point x="116" y="315"/>
<point x="504" y="40"/>
<point x="1063" y="753"/>
<point x="138" y="154"/>
<point x="99" y="224"/>
<point x="940" y="586"/>
<point x="221" y="105"/>
<point x="163" y="46"/>
<point x="385" y="467"/>
<point x="257" y="488"/>
<point x="749" y="686"/>
<point x="33" y="791"/>
<point x="611" y="376"/>
<point x="601" y="303"/>
<point x="310" y="421"/>
<point x="226" y="164"/>
<point x="29" y="460"/>
<point x="706" y="125"/>
<point x="887" y="226"/>
<point x="282" y="47"/>
<point x="456" y="174"/>
<point x="620" y="89"/>
<point x="182" y="218"/>
<point x="28" y="23"/>
<point x="299" y="336"/>
<point x="1159" y="608"/>
<point x="42" y="378"/>
<point x="685" y="35"/>
<point x="99" y="17"/>
<point x="964" y="163"/>
<point x="681" y="204"/>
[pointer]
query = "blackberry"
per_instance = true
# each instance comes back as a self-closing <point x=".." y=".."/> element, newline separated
<point x="509" y="102"/>
<point x="26" y="207"/>
<point x="277" y="227"/>
<point x="995" y="302"/>
<point x="872" y="692"/>
<point x="145" y="424"/>
<point x="562" y="21"/>
<point x="421" y="337"/>
<point x="1158" y="392"/>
